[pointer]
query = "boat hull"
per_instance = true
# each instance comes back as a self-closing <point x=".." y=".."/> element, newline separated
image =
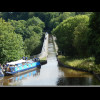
<point x="15" y="71"/>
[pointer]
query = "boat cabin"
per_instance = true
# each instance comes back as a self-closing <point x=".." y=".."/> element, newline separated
<point x="21" y="65"/>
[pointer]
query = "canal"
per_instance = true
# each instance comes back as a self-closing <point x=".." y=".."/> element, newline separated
<point x="51" y="74"/>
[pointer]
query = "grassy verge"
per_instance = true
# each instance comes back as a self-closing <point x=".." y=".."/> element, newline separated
<point x="85" y="63"/>
<point x="43" y="60"/>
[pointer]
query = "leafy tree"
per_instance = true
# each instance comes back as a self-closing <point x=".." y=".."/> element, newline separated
<point x="94" y="36"/>
<point x="31" y="44"/>
<point x="20" y="27"/>
<point x="70" y="32"/>
<point x="37" y="29"/>
<point x="15" y="15"/>
<point x="26" y="28"/>
<point x="35" y="21"/>
<point x="11" y="44"/>
<point x="46" y="17"/>
<point x="79" y="13"/>
<point x="57" y="20"/>
<point x="81" y="37"/>
<point x="19" y="37"/>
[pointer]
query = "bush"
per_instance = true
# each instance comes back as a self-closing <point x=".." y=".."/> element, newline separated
<point x="94" y="36"/>
<point x="11" y="44"/>
<point x="70" y="32"/>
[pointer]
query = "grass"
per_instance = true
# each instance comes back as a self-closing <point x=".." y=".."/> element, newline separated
<point x="43" y="59"/>
<point x="83" y="63"/>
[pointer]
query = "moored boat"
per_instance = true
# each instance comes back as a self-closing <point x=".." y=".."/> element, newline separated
<point x="21" y="66"/>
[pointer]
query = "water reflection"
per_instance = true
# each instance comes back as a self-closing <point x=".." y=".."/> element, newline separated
<point x="73" y="77"/>
<point x="17" y="80"/>
<point x="78" y="81"/>
<point x="50" y="74"/>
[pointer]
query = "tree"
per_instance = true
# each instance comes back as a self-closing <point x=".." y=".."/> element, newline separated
<point x="15" y="15"/>
<point x="19" y="36"/>
<point x="70" y="32"/>
<point x="35" y="21"/>
<point x="20" y="27"/>
<point x="11" y="44"/>
<point x="31" y="31"/>
<point x="31" y="44"/>
<point x="94" y="36"/>
<point x="81" y="37"/>
<point x="79" y="13"/>
<point x="58" y="19"/>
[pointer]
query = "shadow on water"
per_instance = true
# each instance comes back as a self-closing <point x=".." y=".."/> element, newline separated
<point x="16" y="80"/>
<point x="73" y="77"/>
<point x="51" y="74"/>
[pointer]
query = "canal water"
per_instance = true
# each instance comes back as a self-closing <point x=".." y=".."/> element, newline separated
<point x="51" y="74"/>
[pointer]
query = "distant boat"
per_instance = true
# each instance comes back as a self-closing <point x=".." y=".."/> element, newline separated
<point x="21" y="66"/>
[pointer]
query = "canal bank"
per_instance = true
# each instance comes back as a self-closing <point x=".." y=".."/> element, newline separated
<point x="76" y="75"/>
<point x="51" y="74"/>
<point x="79" y="69"/>
<point x="44" y="51"/>
<point x="71" y="67"/>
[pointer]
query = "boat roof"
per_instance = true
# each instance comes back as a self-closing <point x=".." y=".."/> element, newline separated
<point x="29" y="61"/>
<point x="16" y="62"/>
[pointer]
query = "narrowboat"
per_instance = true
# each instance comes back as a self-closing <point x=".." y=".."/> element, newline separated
<point x="21" y="66"/>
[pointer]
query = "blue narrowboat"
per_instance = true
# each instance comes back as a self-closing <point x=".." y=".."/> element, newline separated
<point x="20" y="66"/>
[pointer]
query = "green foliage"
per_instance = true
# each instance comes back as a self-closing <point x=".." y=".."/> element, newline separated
<point x="83" y="13"/>
<point x="27" y="28"/>
<point x="34" y="17"/>
<point x="81" y="37"/>
<point x="32" y="44"/>
<point x="35" y="21"/>
<point x="15" y="15"/>
<point x="46" y="17"/>
<point x="37" y="29"/>
<point x="74" y="37"/>
<point x="20" y="27"/>
<point x="33" y="35"/>
<point x="84" y="63"/>
<point x="20" y="37"/>
<point x="94" y="36"/>
<point x="70" y="33"/>
<point x="11" y="44"/>
<point x="57" y="20"/>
